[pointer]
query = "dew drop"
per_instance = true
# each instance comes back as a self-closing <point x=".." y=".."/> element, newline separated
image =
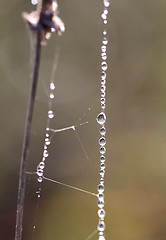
<point x="102" y="166"/>
<point x="40" y="172"/>
<point x="102" y="131"/>
<point x="105" y="41"/>
<point x="101" y="226"/>
<point x="104" y="32"/>
<point x="45" y="154"/>
<point x="103" y="106"/>
<point x="102" y="172"/>
<point x="52" y="86"/>
<point x="103" y="81"/>
<point x="104" y="16"/>
<point x="103" y="48"/>
<point x="104" y="56"/>
<point x="105" y="21"/>
<point x="103" y="75"/>
<point x="102" y="141"/>
<point x="100" y="188"/>
<point x="102" y="100"/>
<point x="102" y="150"/>
<point x="100" y="203"/>
<point x="103" y="94"/>
<point x="101" y="118"/>
<point x="105" y="11"/>
<point x="51" y="95"/>
<point x="50" y="114"/>
<point x="47" y="141"/>
<point x="101" y="238"/>
<point x="101" y="213"/>
<point x="104" y="66"/>
<point x="102" y="180"/>
<point x="106" y="3"/>
<point x="34" y="2"/>
<point x="103" y="88"/>
<point x="40" y="179"/>
<point x="41" y="165"/>
<point x="100" y="196"/>
<point x="48" y="35"/>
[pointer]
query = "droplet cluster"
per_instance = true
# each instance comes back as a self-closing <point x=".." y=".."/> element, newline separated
<point x="101" y="119"/>
<point x="47" y="140"/>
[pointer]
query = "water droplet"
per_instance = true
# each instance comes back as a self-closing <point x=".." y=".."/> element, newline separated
<point x="40" y="172"/>
<point x="102" y="172"/>
<point x="52" y="86"/>
<point x="102" y="141"/>
<point x="101" y="213"/>
<point x="41" y="165"/>
<point x="47" y="141"/>
<point x="102" y="150"/>
<point x="47" y="135"/>
<point x="102" y="166"/>
<point x="104" y="16"/>
<point x="102" y="131"/>
<point x="101" y="118"/>
<point x="50" y="114"/>
<point x="102" y="180"/>
<point x="104" y="56"/>
<point x="101" y="226"/>
<point x="105" y="11"/>
<point x="103" y="88"/>
<point x="101" y="238"/>
<point x="51" y="95"/>
<point x="104" y="49"/>
<point x="103" y="75"/>
<point x="103" y="81"/>
<point x="100" y="203"/>
<point x="100" y="188"/>
<point x="104" y="66"/>
<point x="40" y="179"/>
<point x="48" y="35"/>
<point x="45" y="147"/>
<point x="34" y="2"/>
<point x="45" y="153"/>
<point x="105" y="41"/>
<point x="105" y="21"/>
<point x="103" y="106"/>
<point x="105" y="32"/>
<point x="103" y="94"/>
<point x="102" y="159"/>
<point x="100" y="196"/>
<point x="102" y="100"/>
<point x="106" y="3"/>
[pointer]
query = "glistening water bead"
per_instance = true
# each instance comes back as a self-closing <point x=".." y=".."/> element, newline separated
<point x="101" y="119"/>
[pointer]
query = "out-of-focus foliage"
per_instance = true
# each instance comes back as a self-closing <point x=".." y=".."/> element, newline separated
<point x="136" y="126"/>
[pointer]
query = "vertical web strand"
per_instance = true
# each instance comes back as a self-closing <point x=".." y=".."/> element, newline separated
<point x="101" y="119"/>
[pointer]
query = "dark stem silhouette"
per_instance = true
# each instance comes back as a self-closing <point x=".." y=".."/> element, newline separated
<point x="25" y="148"/>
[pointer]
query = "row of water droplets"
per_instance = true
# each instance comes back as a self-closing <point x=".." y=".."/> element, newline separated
<point x="101" y="119"/>
<point x="47" y="141"/>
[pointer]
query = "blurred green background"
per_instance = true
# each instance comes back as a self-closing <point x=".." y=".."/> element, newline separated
<point x="136" y="121"/>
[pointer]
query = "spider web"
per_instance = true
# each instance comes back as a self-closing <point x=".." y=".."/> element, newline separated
<point x="67" y="174"/>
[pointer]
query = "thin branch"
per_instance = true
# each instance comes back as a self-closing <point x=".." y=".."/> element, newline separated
<point x="22" y="177"/>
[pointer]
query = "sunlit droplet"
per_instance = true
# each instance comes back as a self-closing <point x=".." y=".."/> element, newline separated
<point x="101" y="238"/>
<point x="102" y="172"/>
<point x="104" y="56"/>
<point x="101" y="213"/>
<point x="100" y="196"/>
<point x="40" y="179"/>
<point x="102" y="100"/>
<point x="102" y="150"/>
<point x="45" y="153"/>
<point x="103" y="131"/>
<point x="47" y="141"/>
<point x="105" y="41"/>
<point x="100" y="203"/>
<point x="101" y="226"/>
<point x="103" y="88"/>
<point x="106" y="3"/>
<point x="52" y="86"/>
<point x="40" y="172"/>
<point x="103" y="48"/>
<point x="104" y="32"/>
<point x="104" y="66"/>
<point x="103" y="94"/>
<point x="101" y="118"/>
<point x="100" y="188"/>
<point x="34" y="2"/>
<point x="103" y="106"/>
<point x="102" y="166"/>
<point x="51" y="95"/>
<point x="50" y="114"/>
<point x="102" y="141"/>
<point x="104" y="16"/>
<point x="41" y="165"/>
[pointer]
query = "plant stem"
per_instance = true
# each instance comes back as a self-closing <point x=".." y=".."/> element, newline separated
<point x="26" y="141"/>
